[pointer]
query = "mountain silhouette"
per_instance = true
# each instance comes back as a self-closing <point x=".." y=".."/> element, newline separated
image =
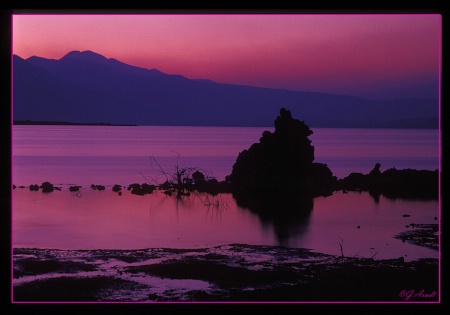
<point x="86" y="87"/>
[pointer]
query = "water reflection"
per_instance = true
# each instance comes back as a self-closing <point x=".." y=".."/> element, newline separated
<point x="375" y="195"/>
<point x="288" y="217"/>
<point x="424" y="196"/>
<point x="105" y="220"/>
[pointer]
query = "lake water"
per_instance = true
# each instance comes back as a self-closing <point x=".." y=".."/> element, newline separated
<point x="108" y="155"/>
<point x="85" y="155"/>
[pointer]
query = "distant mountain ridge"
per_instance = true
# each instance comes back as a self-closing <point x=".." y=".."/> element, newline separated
<point x="85" y="87"/>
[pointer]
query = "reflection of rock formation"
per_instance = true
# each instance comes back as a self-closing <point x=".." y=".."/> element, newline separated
<point x="281" y="167"/>
<point x="288" y="218"/>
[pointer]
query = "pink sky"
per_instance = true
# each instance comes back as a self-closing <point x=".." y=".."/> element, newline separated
<point x="372" y="56"/>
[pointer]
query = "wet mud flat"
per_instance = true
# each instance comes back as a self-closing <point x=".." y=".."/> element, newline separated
<point x="228" y="273"/>
<point x="425" y="235"/>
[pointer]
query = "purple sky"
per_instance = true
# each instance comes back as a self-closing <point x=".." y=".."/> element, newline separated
<point x="372" y="56"/>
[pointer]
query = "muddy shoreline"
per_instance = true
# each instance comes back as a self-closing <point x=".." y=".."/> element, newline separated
<point x="227" y="273"/>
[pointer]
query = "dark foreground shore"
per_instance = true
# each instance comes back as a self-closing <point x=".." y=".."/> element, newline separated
<point x="228" y="273"/>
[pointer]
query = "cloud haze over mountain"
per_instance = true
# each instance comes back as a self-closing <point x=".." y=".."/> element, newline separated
<point x="86" y="87"/>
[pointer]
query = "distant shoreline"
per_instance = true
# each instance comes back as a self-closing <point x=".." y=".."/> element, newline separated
<point x="65" y="123"/>
<point x="33" y="122"/>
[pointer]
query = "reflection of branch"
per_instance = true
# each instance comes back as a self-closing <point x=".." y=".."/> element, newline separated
<point x="341" y="245"/>
<point x="217" y="202"/>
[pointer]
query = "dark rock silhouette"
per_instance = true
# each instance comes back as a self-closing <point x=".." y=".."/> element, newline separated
<point x="280" y="166"/>
<point x="117" y="188"/>
<point x="47" y="187"/>
<point x="393" y="183"/>
<point x="97" y="187"/>
<point x="74" y="188"/>
<point x="208" y="185"/>
<point x="376" y="170"/>
<point x="141" y="190"/>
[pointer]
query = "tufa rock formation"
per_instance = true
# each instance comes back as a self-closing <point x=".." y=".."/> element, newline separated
<point x="406" y="184"/>
<point x="280" y="166"/>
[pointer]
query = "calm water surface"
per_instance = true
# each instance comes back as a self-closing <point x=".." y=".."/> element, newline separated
<point x="85" y="155"/>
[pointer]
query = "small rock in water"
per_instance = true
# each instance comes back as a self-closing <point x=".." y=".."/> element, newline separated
<point x="74" y="188"/>
<point x="47" y="187"/>
<point x="97" y="187"/>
